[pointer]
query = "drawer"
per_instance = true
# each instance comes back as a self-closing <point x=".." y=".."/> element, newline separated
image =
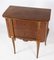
<point x="25" y="28"/>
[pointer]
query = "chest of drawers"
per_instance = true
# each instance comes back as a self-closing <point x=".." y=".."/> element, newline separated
<point x="27" y="23"/>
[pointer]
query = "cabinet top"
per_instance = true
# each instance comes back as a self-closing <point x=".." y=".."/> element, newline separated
<point x="27" y="13"/>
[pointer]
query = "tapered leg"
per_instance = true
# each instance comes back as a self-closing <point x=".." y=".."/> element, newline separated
<point x="46" y="32"/>
<point x="45" y="38"/>
<point x="38" y="45"/>
<point x="45" y="42"/>
<point x="13" y="41"/>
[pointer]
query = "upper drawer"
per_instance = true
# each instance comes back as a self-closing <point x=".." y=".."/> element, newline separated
<point x="25" y="28"/>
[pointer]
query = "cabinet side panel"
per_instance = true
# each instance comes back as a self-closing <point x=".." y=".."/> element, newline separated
<point x="9" y="27"/>
<point x="42" y="31"/>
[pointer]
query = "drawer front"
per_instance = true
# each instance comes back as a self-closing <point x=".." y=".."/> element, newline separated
<point x="25" y="28"/>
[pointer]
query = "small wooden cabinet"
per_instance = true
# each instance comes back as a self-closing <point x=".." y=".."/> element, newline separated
<point x="27" y="23"/>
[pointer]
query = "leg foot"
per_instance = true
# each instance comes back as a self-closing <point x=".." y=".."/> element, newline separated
<point x="38" y="45"/>
<point x="13" y="41"/>
<point x="45" y="43"/>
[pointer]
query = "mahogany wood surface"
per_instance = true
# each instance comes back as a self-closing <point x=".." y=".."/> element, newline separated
<point x="27" y="23"/>
<point x="27" y="13"/>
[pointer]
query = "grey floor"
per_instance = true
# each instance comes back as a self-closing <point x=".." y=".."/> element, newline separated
<point x="26" y="50"/>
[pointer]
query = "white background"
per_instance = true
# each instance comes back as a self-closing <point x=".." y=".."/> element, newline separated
<point x="26" y="50"/>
